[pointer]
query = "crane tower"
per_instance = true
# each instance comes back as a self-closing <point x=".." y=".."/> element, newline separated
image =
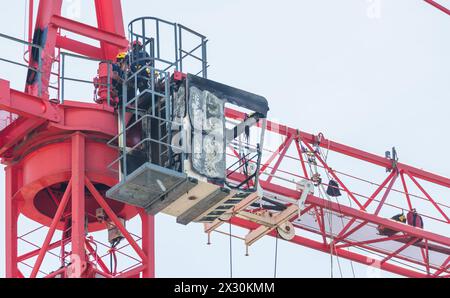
<point x="160" y="136"/>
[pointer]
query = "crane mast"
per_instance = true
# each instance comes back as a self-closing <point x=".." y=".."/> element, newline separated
<point x="76" y="172"/>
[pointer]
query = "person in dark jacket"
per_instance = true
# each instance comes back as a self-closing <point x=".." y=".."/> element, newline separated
<point x="138" y="59"/>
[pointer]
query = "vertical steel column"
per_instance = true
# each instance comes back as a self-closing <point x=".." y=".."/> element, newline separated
<point x="47" y="9"/>
<point x="78" y="257"/>
<point x="204" y="59"/>
<point x="110" y="19"/>
<point x="180" y="50"/>
<point x="12" y="215"/>
<point x="148" y="244"/>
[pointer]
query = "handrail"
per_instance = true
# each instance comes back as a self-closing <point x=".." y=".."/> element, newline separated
<point x="63" y="77"/>
<point x="37" y="70"/>
<point x="179" y="53"/>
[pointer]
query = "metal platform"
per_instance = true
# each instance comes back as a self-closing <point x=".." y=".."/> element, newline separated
<point x="151" y="187"/>
<point x="158" y="189"/>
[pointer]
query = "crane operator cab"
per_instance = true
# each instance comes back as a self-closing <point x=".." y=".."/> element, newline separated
<point x="179" y="153"/>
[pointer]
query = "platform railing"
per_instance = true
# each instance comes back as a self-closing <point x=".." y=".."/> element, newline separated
<point x="160" y="36"/>
<point x="33" y="47"/>
<point x="126" y="151"/>
<point x="155" y="95"/>
<point x="64" y="78"/>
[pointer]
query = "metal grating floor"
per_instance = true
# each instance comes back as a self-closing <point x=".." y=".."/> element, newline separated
<point x="148" y="185"/>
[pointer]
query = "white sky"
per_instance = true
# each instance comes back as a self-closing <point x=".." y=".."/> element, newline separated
<point x="366" y="78"/>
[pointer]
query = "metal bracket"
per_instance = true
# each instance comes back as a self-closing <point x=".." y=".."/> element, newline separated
<point x="306" y="187"/>
<point x="268" y="221"/>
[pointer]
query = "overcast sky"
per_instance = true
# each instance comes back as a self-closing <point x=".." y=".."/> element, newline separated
<point x="370" y="74"/>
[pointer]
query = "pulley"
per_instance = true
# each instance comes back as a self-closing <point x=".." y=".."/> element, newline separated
<point x="286" y="231"/>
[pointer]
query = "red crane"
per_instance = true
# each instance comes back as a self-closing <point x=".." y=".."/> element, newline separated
<point x="58" y="173"/>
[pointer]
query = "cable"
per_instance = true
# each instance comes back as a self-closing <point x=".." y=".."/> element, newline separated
<point x="343" y="225"/>
<point x="113" y="257"/>
<point x="322" y="194"/>
<point x="339" y="205"/>
<point x="231" y="254"/>
<point x="330" y="222"/>
<point x="276" y="257"/>
<point x="25" y="25"/>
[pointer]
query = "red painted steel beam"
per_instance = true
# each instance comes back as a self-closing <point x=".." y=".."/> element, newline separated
<point x="26" y="105"/>
<point x="110" y="19"/>
<point x="280" y="159"/>
<point x="346" y="150"/>
<point x="47" y="8"/>
<point x="97" y="258"/>
<point x="148" y="243"/>
<point x="11" y="218"/>
<point x="443" y="267"/>
<point x="405" y="188"/>
<point x="438" y="6"/>
<point x="372" y="241"/>
<point x="412" y="231"/>
<point x="115" y="219"/>
<point x="429" y="198"/>
<point x="79" y="47"/>
<point x="379" y="189"/>
<point x="352" y="212"/>
<point x="402" y="248"/>
<point x="275" y="154"/>
<point x="426" y="257"/>
<point x="357" y="214"/>
<point x="35" y="252"/>
<point x="132" y="273"/>
<point x="89" y="31"/>
<point x="345" y="234"/>
<point x="52" y="229"/>
<point x="15" y="132"/>
<point x="302" y="160"/>
<point x="78" y="256"/>
<point x="333" y="174"/>
<point x="341" y="252"/>
<point x="321" y="222"/>
<point x="386" y="193"/>
<point x="56" y="273"/>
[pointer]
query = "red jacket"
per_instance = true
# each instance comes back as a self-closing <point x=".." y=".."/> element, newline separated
<point x="414" y="219"/>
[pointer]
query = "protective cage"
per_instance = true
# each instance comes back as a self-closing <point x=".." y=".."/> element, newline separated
<point x="184" y="170"/>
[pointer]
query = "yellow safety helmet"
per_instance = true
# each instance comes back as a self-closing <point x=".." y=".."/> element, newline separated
<point x="149" y="71"/>
<point x="121" y="56"/>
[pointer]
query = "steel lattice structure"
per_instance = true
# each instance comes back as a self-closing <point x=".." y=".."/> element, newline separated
<point x="37" y="130"/>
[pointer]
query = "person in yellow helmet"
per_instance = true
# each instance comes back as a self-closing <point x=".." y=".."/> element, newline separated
<point x="120" y="65"/>
<point x="121" y="56"/>
<point x="119" y="70"/>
